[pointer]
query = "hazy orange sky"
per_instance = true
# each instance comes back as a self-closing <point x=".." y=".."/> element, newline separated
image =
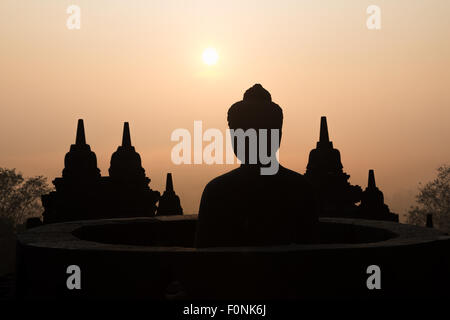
<point x="385" y="92"/>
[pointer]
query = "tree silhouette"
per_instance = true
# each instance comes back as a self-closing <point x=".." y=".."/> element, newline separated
<point x="19" y="196"/>
<point x="434" y="198"/>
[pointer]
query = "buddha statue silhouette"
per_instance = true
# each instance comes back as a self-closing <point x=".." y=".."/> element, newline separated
<point x="247" y="208"/>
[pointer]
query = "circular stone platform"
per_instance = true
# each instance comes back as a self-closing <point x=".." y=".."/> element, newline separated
<point x="155" y="258"/>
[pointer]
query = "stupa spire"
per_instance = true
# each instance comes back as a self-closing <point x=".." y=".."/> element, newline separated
<point x="169" y="203"/>
<point x="80" y="162"/>
<point x="126" y="162"/>
<point x="324" y="130"/>
<point x="325" y="172"/>
<point x="372" y="202"/>
<point x="126" y="138"/>
<point x="81" y="137"/>
<point x="169" y="183"/>
<point x="371" y="183"/>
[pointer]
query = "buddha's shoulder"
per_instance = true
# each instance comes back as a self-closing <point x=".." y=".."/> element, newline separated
<point x="223" y="180"/>
<point x="292" y="176"/>
<point x="234" y="177"/>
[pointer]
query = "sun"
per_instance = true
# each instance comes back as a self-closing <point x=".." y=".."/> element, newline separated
<point x="210" y="56"/>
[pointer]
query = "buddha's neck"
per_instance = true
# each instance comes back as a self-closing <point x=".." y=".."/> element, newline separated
<point x="254" y="167"/>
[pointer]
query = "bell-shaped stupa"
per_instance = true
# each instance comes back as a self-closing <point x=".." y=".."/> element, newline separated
<point x="372" y="203"/>
<point x="81" y="193"/>
<point x="336" y="196"/>
<point x="80" y="163"/>
<point x="129" y="186"/>
<point x="126" y="162"/>
<point x="324" y="160"/>
<point x="76" y="191"/>
<point x="169" y="203"/>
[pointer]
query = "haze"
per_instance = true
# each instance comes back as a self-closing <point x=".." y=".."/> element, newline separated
<point x="385" y="92"/>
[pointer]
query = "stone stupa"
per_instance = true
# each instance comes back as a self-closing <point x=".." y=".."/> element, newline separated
<point x="372" y="203"/>
<point x="169" y="203"/>
<point x="82" y="193"/>
<point x="336" y="196"/>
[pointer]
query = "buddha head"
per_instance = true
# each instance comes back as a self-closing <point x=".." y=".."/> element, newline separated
<point x="255" y="126"/>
